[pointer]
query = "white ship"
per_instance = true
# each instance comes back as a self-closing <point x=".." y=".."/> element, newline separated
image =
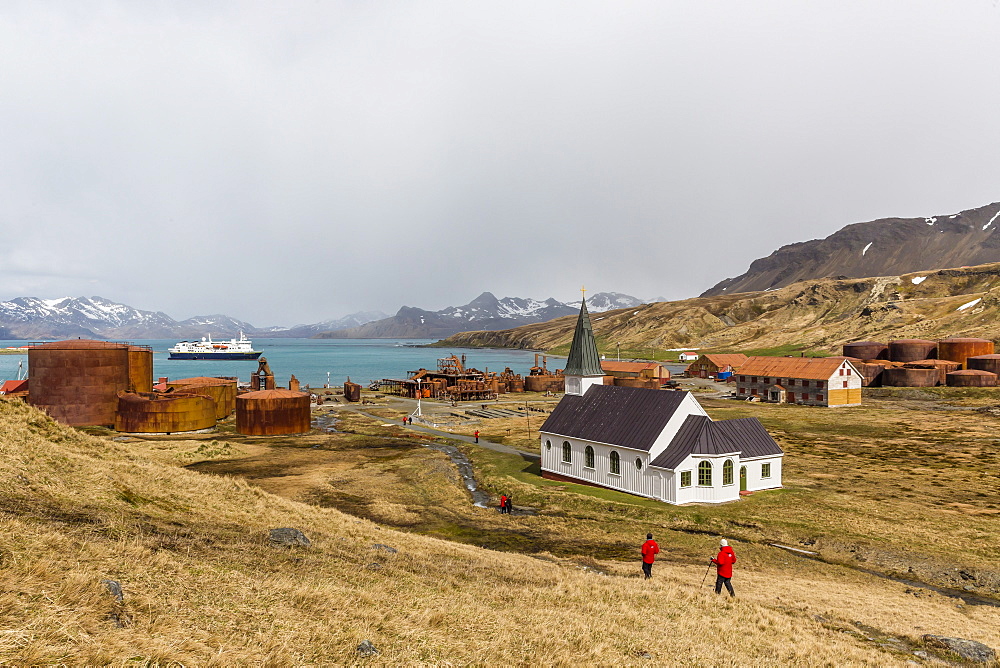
<point x="207" y="349"/>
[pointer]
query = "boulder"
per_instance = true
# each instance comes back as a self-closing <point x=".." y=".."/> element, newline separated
<point x="366" y="648"/>
<point x="288" y="537"/>
<point x="967" y="649"/>
<point x="380" y="546"/>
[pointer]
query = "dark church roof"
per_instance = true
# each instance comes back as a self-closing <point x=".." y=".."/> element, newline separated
<point x="700" y="436"/>
<point x="583" y="360"/>
<point x="630" y="417"/>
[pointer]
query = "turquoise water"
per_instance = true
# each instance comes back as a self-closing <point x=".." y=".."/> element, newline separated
<point x="310" y="360"/>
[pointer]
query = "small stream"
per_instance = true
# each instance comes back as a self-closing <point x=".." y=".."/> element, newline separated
<point x="480" y="499"/>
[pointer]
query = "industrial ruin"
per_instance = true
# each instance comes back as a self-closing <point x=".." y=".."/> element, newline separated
<point x="454" y="381"/>
<point x="85" y="383"/>
<point x="954" y="362"/>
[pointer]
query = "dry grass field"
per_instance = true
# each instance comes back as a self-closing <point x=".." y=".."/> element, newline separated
<point x="182" y="524"/>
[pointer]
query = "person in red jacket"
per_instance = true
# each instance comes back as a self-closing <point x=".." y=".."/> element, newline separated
<point x="724" y="567"/>
<point x="649" y="551"/>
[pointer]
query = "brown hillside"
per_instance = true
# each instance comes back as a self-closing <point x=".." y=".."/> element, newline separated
<point x="816" y="315"/>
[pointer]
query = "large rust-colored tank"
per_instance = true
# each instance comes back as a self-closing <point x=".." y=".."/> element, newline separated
<point x="944" y="367"/>
<point x="647" y="383"/>
<point x="222" y="391"/>
<point x="164" y="413"/>
<point x="871" y="372"/>
<point x="911" y="350"/>
<point x="272" y="412"/>
<point x="140" y="368"/>
<point x="548" y="383"/>
<point x="989" y="363"/>
<point x="959" y="350"/>
<point x="904" y="377"/>
<point x="77" y="381"/>
<point x="352" y="391"/>
<point x="866" y="350"/>
<point x="972" y="378"/>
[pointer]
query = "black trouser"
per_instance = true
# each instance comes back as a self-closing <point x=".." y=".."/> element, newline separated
<point x="719" y="581"/>
<point x="647" y="569"/>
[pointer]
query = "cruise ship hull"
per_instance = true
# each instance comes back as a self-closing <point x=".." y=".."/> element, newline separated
<point x="216" y="356"/>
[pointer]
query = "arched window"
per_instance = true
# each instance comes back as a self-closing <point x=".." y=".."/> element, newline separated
<point x="638" y="463"/>
<point x="616" y="463"/>
<point x="588" y="457"/>
<point x="567" y="452"/>
<point x="548" y="445"/>
<point x="727" y="472"/>
<point x="705" y="474"/>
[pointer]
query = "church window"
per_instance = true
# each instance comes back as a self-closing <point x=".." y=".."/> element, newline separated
<point x="615" y="465"/>
<point x="765" y="470"/>
<point x="588" y="457"/>
<point x="705" y="474"/>
<point x="548" y="445"/>
<point x="567" y="452"/>
<point x="727" y="472"/>
<point x="685" y="478"/>
<point x="638" y="463"/>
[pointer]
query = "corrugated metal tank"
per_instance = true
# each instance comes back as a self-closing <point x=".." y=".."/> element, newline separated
<point x="959" y="350"/>
<point x="972" y="378"/>
<point x="352" y="391"/>
<point x="911" y="350"/>
<point x="989" y="363"/>
<point x="903" y="377"/>
<point x="544" y="383"/>
<point x="77" y="381"/>
<point x="272" y="412"/>
<point x="162" y="413"/>
<point x="222" y="391"/>
<point x="871" y="372"/>
<point x="944" y="367"/>
<point x="867" y="350"/>
<point x="647" y="383"/>
<point x="140" y="368"/>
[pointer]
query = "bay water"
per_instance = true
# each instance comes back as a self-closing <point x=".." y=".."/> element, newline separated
<point x="364" y="360"/>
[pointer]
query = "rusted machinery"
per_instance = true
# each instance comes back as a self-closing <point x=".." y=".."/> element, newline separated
<point x="904" y="377"/>
<point x="222" y="391"/>
<point x="352" y="391"/>
<point x="77" y="381"/>
<point x="960" y="349"/>
<point x="510" y="381"/>
<point x="272" y="413"/>
<point x="911" y="350"/>
<point x="972" y="378"/>
<point x="866" y="350"/>
<point x="163" y="413"/>
<point x="263" y="378"/>
<point x="944" y="367"/>
<point x="293" y="384"/>
<point x="989" y="363"/>
<point x="540" y="379"/>
<point x="465" y="390"/>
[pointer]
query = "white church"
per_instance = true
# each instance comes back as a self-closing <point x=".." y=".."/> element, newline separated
<point x="660" y="444"/>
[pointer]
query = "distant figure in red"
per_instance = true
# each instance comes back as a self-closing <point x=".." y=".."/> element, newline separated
<point x="649" y="551"/>
<point x="477" y="436"/>
<point x="503" y="504"/>
<point x="724" y="566"/>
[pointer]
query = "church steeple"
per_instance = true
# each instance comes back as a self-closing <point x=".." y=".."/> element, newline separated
<point x="584" y="362"/>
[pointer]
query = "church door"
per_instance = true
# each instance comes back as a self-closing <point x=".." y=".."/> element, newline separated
<point x="743" y="478"/>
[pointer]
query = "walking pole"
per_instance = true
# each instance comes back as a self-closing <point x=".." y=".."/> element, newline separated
<point x="706" y="574"/>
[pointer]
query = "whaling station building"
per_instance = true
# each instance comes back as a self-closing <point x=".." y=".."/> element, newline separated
<point x="659" y="444"/>
<point x="813" y="381"/>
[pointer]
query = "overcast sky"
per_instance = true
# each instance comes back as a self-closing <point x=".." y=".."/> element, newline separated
<point x="289" y="162"/>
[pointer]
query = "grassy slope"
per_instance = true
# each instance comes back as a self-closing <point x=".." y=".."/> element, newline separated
<point x="809" y="316"/>
<point x="202" y="587"/>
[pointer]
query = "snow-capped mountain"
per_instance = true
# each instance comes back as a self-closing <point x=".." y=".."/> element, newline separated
<point x="485" y="312"/>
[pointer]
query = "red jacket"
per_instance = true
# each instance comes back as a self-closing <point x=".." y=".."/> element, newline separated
<point x="649" y="551"/>
<point x="724" y="562"/>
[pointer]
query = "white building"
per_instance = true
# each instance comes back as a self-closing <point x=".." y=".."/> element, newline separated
<point x="659" y="444"/>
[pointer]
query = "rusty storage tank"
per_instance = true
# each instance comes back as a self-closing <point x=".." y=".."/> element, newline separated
<point x="871" y="372"/>
<point x="140" y="368"/>
<point x="352" y="391"/>
<point x="972" y="378"/>
<point x="989" y="363"/>
<point x="222" y="391"/>
<point x="272" y="412"/>
<point x="164" y="413"/>
<point x="959" y="350"/>
<point x="867" y="350"/>
<point x="903" y="377"/>
<point x="647" y="383"/>
<point x="911" y="350"/>
<point x="77" y="381"/>
<point x="944" y="367"/>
